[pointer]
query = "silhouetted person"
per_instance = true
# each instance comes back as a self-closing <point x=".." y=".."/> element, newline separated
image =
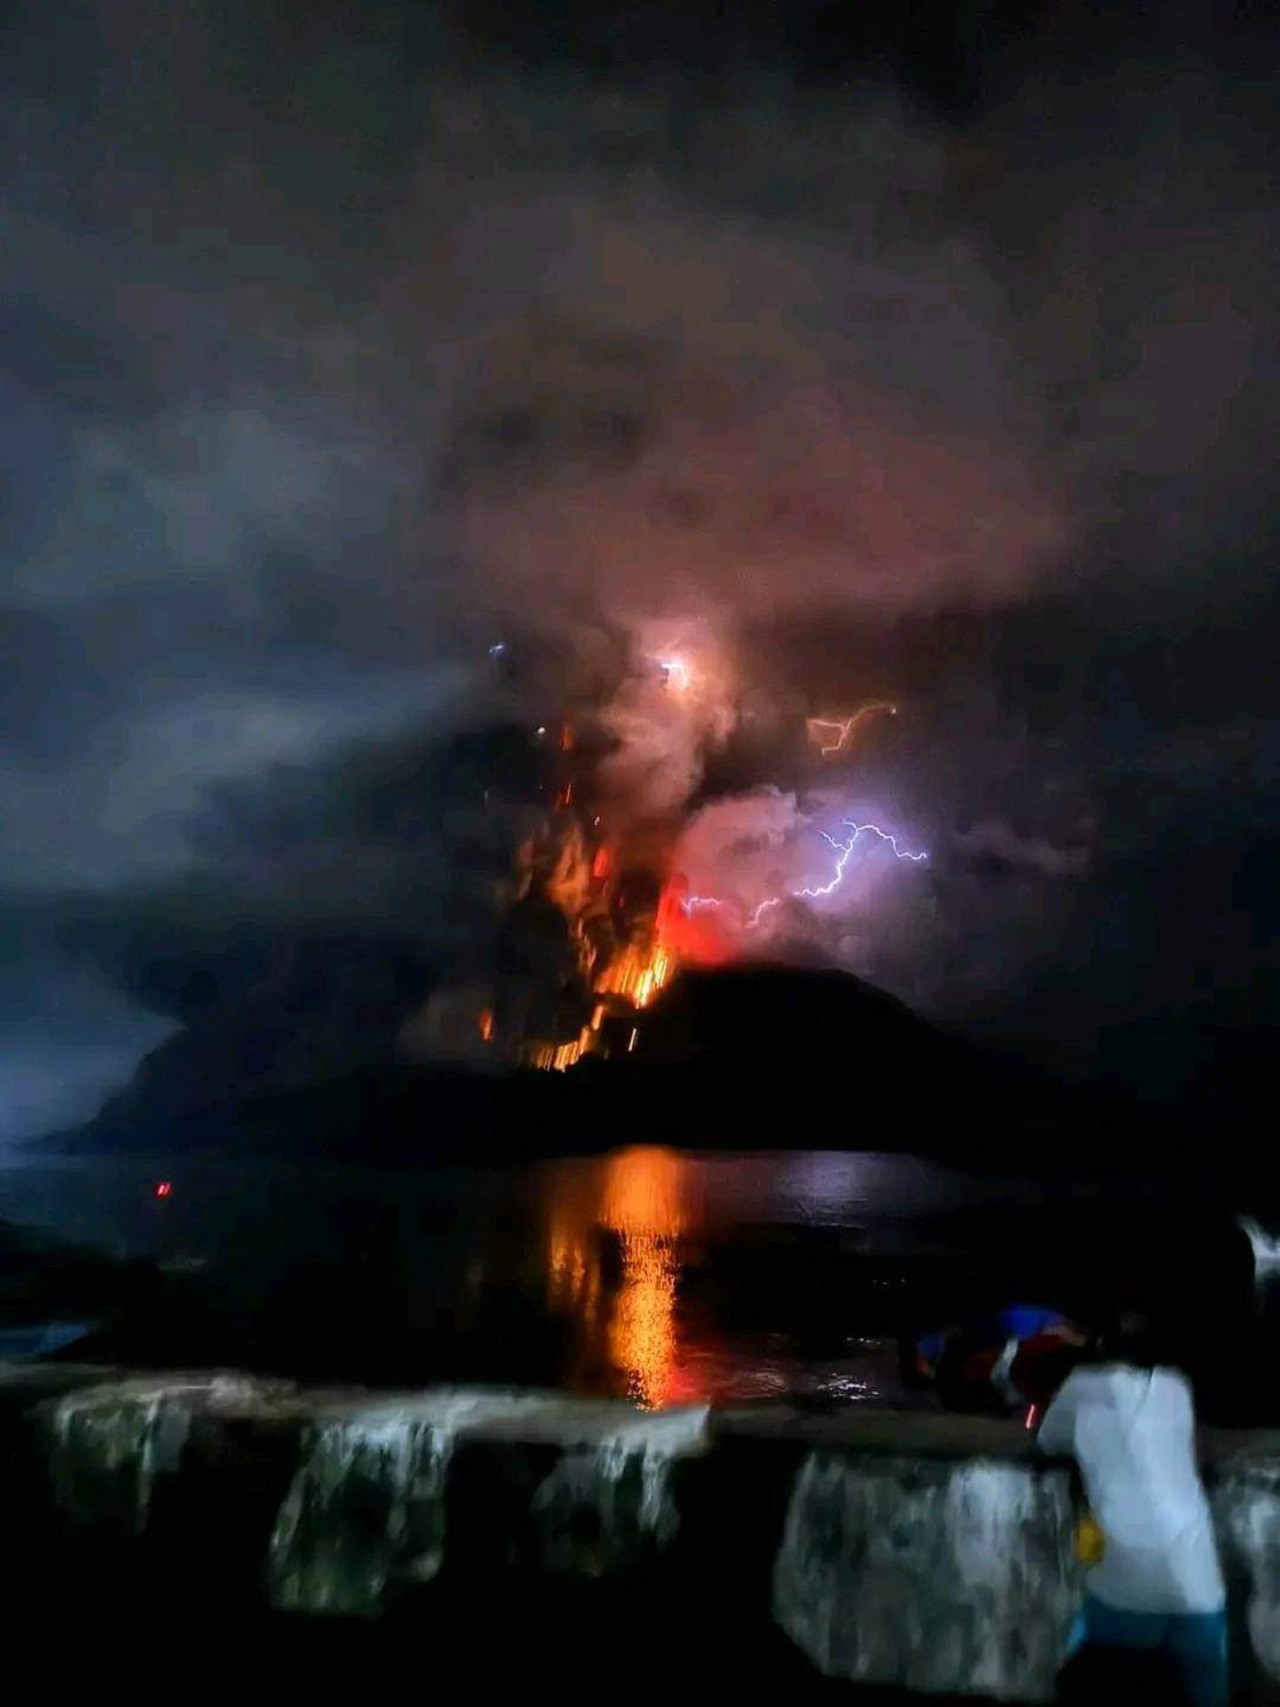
<point x="1130" y="1426"/>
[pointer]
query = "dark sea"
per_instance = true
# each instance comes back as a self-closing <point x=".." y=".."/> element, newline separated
<point x="661" y="1276"/>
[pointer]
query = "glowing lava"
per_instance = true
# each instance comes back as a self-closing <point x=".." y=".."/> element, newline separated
<point x="630" y="976"/>
<point x="678" y="705"/>
<point x="638" y="973"/>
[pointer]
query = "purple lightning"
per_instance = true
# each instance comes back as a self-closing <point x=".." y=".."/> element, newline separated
<point x="762" y="909"/>
<point x="845" y="849"/>
<point x="813" y="892"/>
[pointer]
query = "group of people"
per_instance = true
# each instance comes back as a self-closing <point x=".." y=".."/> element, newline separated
<point x="1110" y="1402"/>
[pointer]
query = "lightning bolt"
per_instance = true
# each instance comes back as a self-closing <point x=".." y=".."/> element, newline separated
<point x="845" y="849"/>
<point x="814" y="891"/>
<point x="762" y="909"/>
<point x="820" y="727"/>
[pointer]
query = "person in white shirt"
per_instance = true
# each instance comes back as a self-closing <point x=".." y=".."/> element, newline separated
<point x="1130" y="1426"/>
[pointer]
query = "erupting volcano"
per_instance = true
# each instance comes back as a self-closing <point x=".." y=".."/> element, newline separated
<point x="648" y="866"/>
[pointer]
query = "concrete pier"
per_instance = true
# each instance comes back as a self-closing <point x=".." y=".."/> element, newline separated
<point x="925" y="1552"/>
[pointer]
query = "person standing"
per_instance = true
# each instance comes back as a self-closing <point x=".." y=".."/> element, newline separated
<point x="1130" y="1425"/>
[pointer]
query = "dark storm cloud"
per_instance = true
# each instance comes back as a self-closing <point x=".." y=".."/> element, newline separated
<point x="334" y="354"/>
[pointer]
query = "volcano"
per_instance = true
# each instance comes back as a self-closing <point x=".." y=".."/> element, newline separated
<point x="749" y="1057"/>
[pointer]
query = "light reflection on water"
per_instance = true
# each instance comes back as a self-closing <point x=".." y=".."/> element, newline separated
<point x="664" y="1276"/>
<point x="651" y="1205"/>
<point x="641" y="1196"/>
<point x="646" y="1202"/>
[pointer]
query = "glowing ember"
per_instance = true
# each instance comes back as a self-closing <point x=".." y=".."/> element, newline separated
<point x="484" y="1021"/>
<point x="638" y="973"/>
<point x="635" y="975"/>
<point x="558" y="1057"/>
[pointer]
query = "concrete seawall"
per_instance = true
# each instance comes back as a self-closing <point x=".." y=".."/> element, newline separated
<point x="928" y="1552"/>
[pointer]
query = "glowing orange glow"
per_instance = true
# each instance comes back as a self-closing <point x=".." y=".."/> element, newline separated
<point x="638" y="973"/>
<point x="558" y="1057"/>
<point x="485" y="1022"/>
<point x="573" y="1277"/>
<point x="635" y="974"/>
<point x="832" y="735"/>
<point x="644" y="1205"/>
<point x="566" y="738"/>
<point x="647" y="1198"/>
<point x="564" y="797"/>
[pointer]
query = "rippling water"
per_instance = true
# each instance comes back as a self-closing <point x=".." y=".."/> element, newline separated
<point x="662" y="1276"/>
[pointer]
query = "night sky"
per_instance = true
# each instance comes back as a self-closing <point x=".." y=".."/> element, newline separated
<point x="926" y="352"/>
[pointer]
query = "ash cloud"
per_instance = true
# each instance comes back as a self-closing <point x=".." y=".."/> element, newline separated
<point x="336" y="356"/>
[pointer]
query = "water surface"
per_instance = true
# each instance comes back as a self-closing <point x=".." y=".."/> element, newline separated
<point x="650" y="1273"/>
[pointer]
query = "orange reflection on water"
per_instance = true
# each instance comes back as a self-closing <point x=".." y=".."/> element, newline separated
<point x="644" y="1205"/>
<point x="573" y="1278"/>
<point x="644" y="1197"/>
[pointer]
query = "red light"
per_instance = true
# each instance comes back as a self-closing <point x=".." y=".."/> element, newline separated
<point x="164" y="1188"/>
<point x="1033" y="1416"/>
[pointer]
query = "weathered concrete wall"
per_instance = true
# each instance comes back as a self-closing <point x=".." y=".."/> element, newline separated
<point x="941" y="1577"/>
<point x="910" y="1549"/>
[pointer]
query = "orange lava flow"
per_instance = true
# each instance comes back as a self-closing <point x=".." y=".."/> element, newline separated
<point x="634" y="974"/>
<point x="638" y="973"/>
<point x="557" y="1057"/>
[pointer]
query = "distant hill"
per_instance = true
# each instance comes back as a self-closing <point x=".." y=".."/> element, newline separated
<point x="750" y="1057"/>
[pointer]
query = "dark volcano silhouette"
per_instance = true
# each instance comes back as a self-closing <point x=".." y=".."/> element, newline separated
<point x="748" y="1057"/>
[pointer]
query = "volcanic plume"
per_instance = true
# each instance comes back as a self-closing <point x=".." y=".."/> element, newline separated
<point x="641" y="862"/>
